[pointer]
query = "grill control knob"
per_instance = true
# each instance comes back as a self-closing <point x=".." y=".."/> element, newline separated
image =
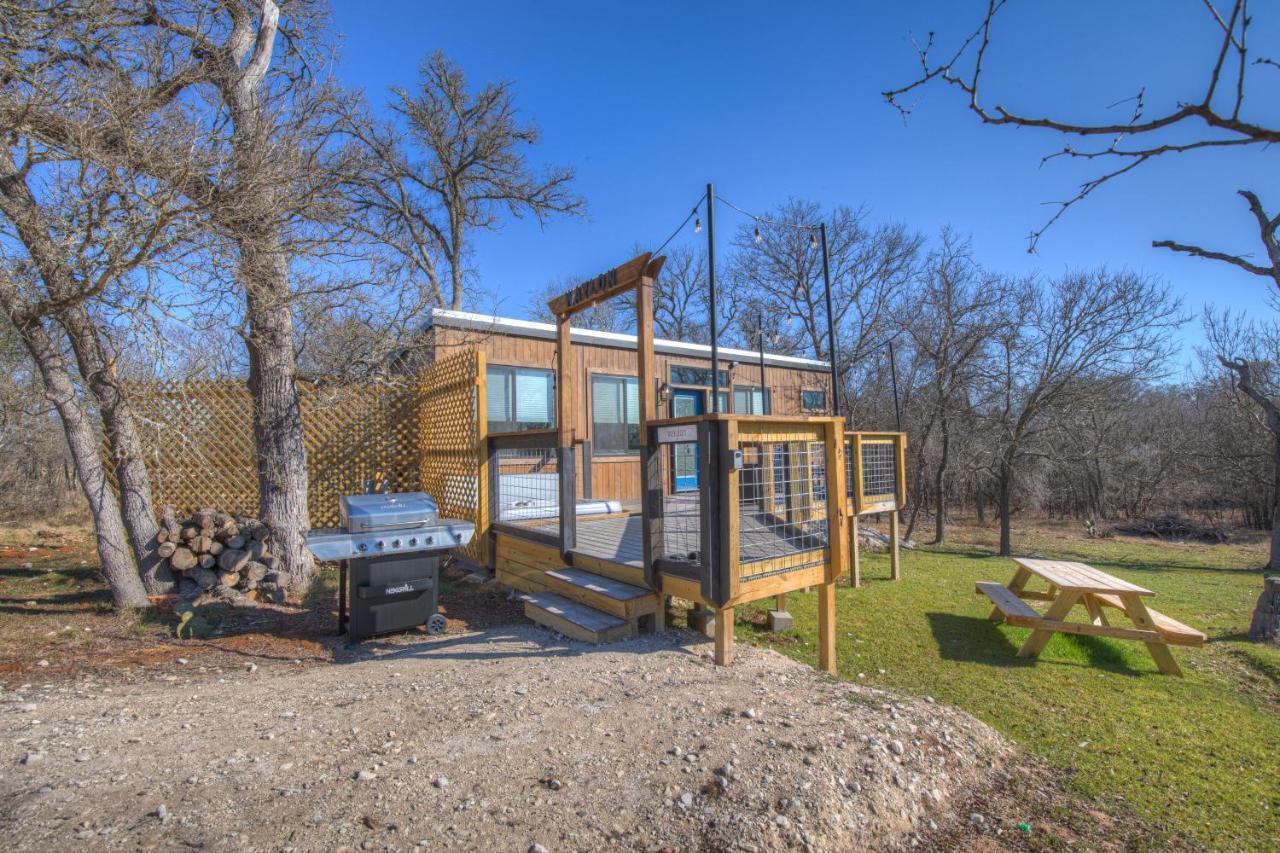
<point x="413" y="541"/>
<point x="378" y="544"/>
<point x="395" y="543"/>
<point x="428" y="540"/>
<point x="362" y="547"/>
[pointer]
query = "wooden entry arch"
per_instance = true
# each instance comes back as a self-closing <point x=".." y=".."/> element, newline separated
<point x="637" y="274"/>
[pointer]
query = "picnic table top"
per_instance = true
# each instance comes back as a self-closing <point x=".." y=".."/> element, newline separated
<point x="1068" y="575"/>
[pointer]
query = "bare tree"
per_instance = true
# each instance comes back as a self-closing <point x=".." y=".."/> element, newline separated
<point x="451" y="165"/>
<point x="680" y="307"/>
<point x="1218" y="116"/>
<point x="223" y="102"/>
<point x="781" y="275"/>
<point x="36" y="479"/>
<point x="956" y="309"/>
<point x="87" y="229"/>
<point x="60" y="388"/>
<point x="1073" y="339"/>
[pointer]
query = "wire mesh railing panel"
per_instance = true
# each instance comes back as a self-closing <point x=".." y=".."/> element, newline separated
<point x="527" y="486"/>
<point x="782" y="506"/>
<point x="681" y="523"/>
<point x="850" y="483"/>
<point x="879" y="469"/>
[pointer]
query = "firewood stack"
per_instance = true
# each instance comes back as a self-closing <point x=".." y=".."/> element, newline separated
<point x="214" y="552"/>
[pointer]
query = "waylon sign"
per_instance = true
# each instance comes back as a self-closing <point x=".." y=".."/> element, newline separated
<point x="593" y="289"/>
<point x="602" y="287"/>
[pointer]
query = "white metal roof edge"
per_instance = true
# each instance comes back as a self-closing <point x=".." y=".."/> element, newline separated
<point x="534" y="329"/>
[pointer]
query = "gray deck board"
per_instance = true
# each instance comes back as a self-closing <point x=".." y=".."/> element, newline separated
<point x="579" y="614"/>
<point x="620" y="539"/>
<point x="591" y="582"/>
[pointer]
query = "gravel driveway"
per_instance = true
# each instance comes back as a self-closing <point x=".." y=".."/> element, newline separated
<point x="505" y="739"/>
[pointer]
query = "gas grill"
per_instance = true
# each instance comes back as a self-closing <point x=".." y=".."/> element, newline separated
<point x="388" y="552"/>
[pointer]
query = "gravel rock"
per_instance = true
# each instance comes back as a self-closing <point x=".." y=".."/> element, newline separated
<point x="647" y="738"/>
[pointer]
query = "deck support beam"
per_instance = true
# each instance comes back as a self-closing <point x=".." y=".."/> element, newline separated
<point x="855" y="552"/>
<point x="827" y="627"/>
<point x="895" y="562"/>
<point x="724" y="636"/>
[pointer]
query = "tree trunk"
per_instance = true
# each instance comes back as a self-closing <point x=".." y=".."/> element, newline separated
<point x="939" y="486"/>
<point x="112" y="541"/>
<point x="1274" y="562"/>
<point x="1005" y="499"/>
<point x="277" y="419"/>
<point x="125" y="444"/>
<point x="980" y="507"/>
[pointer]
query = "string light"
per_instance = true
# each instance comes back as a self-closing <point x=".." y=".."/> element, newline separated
<point x="758" y="237"/>
<point x="697" y="228"/>
<point x="813" y="240"/>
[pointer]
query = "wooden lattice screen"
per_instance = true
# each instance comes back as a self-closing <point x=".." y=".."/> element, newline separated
<point x="425" y="432"/>
<point x="451" y="437"/>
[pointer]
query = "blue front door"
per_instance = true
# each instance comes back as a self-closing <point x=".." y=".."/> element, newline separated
<point x="685" y="456"/>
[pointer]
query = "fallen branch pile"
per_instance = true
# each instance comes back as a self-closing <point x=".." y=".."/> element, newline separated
<point x="1172" y="527"/>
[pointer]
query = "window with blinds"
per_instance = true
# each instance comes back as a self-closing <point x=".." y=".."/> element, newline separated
<point x="519" y="398"/>
<point x="751" y="401"/>
<point x="615" y="415"/>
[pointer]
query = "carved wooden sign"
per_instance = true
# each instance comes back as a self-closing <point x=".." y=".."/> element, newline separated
<point x="602" y="287"/>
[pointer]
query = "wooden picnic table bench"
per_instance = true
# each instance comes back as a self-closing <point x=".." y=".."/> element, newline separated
<point x="1076" y="583"/>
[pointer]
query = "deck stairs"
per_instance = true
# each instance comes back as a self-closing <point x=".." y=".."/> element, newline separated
<point x="586" y="606"/>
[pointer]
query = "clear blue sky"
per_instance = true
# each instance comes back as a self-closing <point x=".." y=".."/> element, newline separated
<point x="650" y="101"/>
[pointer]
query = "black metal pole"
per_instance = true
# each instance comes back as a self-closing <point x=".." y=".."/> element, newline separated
<point x="764" y="387"/>
<point x="711" y="283"/>
<point x="893" y="373"/>
<point x="831" y="327"/>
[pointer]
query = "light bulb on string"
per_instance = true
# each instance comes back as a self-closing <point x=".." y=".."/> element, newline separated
<point x="697" y="225"/>
<point x="813" y="240"/>
<point x="758" y="237"/>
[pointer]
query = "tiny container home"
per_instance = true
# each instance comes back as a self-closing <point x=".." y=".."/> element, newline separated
<point x="612" y="482"/>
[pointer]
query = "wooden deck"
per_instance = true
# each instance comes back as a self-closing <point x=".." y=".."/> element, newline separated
<point x="620" y="538"/>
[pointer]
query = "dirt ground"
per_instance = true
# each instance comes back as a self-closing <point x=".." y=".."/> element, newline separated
<point x="272" y="734"/>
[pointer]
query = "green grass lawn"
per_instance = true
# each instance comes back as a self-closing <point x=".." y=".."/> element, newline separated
<point x="1197" y="758"/>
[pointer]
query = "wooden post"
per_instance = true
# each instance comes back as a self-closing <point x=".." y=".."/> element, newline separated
<point x="855" y="553"/>
<point x="780" y="602"/>
<point x="565" y="435"/>
<point x="724" y="636"/>
<point x="648" y="393"/>
<point x="837" y="502"/>
<point x="827" y="627"/>
<point x="895" y="566"/>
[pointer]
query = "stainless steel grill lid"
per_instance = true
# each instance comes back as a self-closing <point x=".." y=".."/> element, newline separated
<point x="366" y="513"/>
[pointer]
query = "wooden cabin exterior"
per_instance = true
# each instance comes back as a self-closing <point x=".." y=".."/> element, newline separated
<point x="520" y="358"/>
<point x="609" y="486"/>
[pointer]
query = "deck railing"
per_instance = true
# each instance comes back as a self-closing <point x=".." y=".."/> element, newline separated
<point x="735" y="501"/>
<point x="874" y="466"/>
<point x="525" y="485"/>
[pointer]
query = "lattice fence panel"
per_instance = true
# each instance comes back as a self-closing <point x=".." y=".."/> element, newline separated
<point x="354" y="435"/>
<point x="200" y="449"/>
<point x="451" y="433"/>
<point x="199" y="440"/>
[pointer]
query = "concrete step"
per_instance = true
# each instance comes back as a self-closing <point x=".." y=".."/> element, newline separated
<point x="602" y="593"/>
<point x="574" y="619"/>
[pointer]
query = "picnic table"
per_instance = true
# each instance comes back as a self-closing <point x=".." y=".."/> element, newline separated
<point x="1072" y="584"/>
